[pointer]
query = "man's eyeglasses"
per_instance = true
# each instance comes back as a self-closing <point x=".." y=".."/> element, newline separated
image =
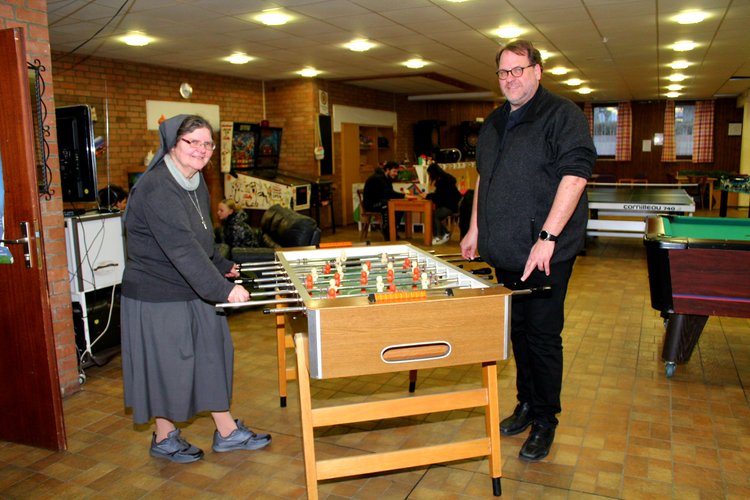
<point x="517" y="71"/>
<point x="195" y="144"/>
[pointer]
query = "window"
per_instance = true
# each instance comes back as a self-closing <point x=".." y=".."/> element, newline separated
<point x="605" y="130"/>
<point x="684" y="119"/>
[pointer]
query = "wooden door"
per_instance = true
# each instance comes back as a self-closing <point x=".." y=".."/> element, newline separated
<point x="350" y="159"/>
<point x="30" y="400"/>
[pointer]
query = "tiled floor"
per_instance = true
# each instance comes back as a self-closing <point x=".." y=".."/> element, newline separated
<point x="626" y="430"/>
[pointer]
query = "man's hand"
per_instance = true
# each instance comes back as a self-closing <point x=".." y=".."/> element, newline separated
<point x="469" y="244"/>
<point x="539" y="258"/>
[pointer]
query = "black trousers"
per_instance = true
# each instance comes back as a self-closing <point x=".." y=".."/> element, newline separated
<point x="536" y="335"/>
<point x="382" y="207"/>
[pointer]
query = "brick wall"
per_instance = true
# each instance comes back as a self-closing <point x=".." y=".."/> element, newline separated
<point x="119" y="91"/>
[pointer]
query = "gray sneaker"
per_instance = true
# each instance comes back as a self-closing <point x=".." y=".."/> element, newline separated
<point x="175" y="448"/>
<point x="240" y="439"/>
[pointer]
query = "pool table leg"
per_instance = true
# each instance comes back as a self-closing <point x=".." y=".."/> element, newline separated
<point x="683" y="331"/>
<point x="723" y="202"/>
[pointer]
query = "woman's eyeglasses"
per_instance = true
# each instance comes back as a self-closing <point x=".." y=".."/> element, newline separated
<point x="196" y="144"/>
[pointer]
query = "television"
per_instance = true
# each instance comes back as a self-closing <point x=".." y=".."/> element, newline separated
<point x="77" y="153"/>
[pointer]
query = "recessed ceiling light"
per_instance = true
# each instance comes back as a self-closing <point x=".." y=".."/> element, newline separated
<point x="672" y="95"/>
<point x="676" y="77"/>
<point x="308" y="72"/>
<point x="675" y="87"/>
<point x="546" y="54"/>
<point x="273" y="17"/>
<point x="508" y="32"/>
<point x="679" y="64"/>
<point x="238" y="58"/>
<point x="415" y="63"/>
<point x="584" y="90"/>
<point x="573" y="82"/>
<point x="684" y="46"/>
<point x="136" y="39"/>
<point x="690" y="17"/>
<point x="359" y="45"/>
<point x="559" y="70"/>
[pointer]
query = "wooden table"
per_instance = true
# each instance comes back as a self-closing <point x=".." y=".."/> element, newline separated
<point x="410" y="205"/>
<point x="686" y="179"/>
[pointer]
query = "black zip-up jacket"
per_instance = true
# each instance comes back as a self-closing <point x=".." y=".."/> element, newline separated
<point x="520" y="170"/>
<point x="378" y="190"/>
<point x="446" y="193"/>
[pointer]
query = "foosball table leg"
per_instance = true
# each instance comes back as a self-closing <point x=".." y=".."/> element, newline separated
<point x="497" y="490"/>
<point x="412" y="380"/>
<point x="492" y="424"/>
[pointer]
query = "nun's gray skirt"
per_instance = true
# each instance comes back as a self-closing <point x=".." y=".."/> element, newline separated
<point x="177" y="359"/>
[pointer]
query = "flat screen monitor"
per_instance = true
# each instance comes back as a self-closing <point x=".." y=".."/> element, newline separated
<point x="77" y="153"/>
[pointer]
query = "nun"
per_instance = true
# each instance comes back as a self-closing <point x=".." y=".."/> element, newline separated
<point x="177" y="352"/>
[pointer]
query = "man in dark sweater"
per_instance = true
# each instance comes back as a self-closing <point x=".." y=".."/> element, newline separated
<point x="378" y="190"/>
<point x="534" y="157"/>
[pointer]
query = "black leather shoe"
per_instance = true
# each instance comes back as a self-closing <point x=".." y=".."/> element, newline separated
<point x="518" y="422"/>
<point x="538" y="443"/>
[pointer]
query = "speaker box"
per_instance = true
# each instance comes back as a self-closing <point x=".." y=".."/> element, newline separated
<point x="427" y="138"/>
<point x="469" y="136"/>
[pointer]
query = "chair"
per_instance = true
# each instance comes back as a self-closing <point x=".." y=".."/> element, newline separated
<point x="700" y="190"/>
<point x="366" y="218"/>
<point x="452" y="221"/>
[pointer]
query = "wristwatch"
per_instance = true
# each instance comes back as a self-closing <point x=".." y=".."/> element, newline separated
<point x="544" y="235"/>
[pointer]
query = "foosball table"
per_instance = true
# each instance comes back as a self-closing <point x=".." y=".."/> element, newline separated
<point x="364" y="310"/>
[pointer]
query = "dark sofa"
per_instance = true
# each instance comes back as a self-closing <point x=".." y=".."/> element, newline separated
<point x="281" y="228"/>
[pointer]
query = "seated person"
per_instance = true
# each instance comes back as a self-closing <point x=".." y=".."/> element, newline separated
<point x="445" y="195"/>
<point x="113" y="198"/>
<point x="236" y="232"/>
<point x="379" y="189"/>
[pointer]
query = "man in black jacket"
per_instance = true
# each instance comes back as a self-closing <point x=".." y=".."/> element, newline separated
<point x="378" y="190"/>
<point x="534" y="157"/>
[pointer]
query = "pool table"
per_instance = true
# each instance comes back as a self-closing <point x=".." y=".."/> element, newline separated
<point x="697" y="267"/>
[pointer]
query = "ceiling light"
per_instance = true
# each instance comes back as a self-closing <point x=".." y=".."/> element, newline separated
<point x="573" y="82"/>
<point x="684" y="46"/>
<point x="309" y="72"/>
<point x="676" y="77"/>
<point x="238" y="58"/>
<point x="679" y="64"/>
<point x="675" y="87"/>
<point x="690" y="17"/>
<point x="584" y="90"/>
<point x="508" y="32"/>
<point x="359" y="45"/>
<point x="672" y="95"/>
<point x="415" y="63"/>
<point x="545" y="54"/>
<point x="559" y="70"/>
<point x="273" y="17"/>
<point x="136" y="39"/>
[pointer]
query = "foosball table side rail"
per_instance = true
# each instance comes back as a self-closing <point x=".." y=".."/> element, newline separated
<point x="311" y="418"/>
